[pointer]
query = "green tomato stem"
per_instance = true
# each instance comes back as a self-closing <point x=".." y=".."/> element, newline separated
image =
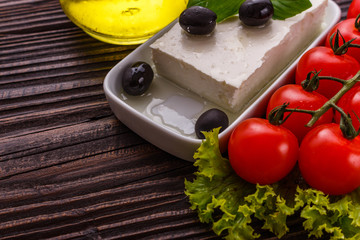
<point x="354" y="45"/>
<point x="311" y="83"/>
<point x="347" y="85"/>
<point x="357" y="22"/>
<point x="311" y="112"/>
<point x="316" y="114"/>
<point x="346" y="126"/>
<point x="276" y="116"/>
<point x="342" y="81"/>
<point x="339" y="48"/>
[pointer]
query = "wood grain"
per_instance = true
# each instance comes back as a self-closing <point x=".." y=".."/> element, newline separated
<point x="68" y="168"/>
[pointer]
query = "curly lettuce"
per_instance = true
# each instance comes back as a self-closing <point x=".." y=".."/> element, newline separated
<point x="232" y="205"/>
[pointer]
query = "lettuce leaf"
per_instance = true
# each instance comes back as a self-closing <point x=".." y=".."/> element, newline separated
<point x="232" y="205"/>
<point x="226" y="8"/>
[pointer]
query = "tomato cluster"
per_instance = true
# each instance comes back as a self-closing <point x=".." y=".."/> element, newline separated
<point x="263" y="151"/>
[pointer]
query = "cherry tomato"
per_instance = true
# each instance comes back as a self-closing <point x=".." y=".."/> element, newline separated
<point x="298" y="98"/>
<point x="350" y="103"/>
<point x="354" y="9"/>
<point x="260" y="152"/>
<point x="323" y="58"/>
<point x="328" y="161"/>
<point x="348" y="31"/>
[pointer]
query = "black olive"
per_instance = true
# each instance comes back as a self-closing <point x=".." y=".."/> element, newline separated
<point x="137" y="79"/>
<point x="209" y="120"/>
<point x="256" y="12"/>
<point x="198" y="20"/>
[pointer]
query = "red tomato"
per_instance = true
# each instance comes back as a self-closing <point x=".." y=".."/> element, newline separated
<point x="323" y="58"/>
<point x="348" y="31"/>
<point x="328" y="161"/>
<point x="350" y="103"/>
<point x="260" y="152"/>
<point x="297" y="97"/>
<point x="354" y="9"/>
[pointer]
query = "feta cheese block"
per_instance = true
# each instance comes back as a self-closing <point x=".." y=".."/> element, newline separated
<point x="235" y="62"/>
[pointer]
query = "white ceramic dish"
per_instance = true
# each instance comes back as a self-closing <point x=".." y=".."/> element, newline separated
<point x="166" y="115"/>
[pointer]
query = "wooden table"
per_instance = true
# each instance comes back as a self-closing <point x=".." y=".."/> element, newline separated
<point x="68" y="168"/>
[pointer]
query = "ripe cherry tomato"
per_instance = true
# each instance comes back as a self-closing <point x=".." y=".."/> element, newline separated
<point x="298" y="98"/>
<point x="354" y="9"/>
<point x="260" y="152"/>
<point x="348" y="31"/>
<point x="323" y="58"/>
<point x="328" y="161"/>
<point x="350" y="103"/>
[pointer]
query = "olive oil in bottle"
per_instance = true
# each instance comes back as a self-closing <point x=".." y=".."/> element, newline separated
<point x="122" y="21"/>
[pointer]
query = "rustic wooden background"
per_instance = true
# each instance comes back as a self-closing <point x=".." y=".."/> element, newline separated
<point x="68" y="168"/>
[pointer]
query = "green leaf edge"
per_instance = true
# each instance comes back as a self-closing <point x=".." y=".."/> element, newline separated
<point x="283" y="9"/>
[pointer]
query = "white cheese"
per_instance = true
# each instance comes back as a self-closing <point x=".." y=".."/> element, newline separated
<point x="235" y="62"/>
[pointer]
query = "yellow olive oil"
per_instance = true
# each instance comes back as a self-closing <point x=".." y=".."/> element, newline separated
<point x="122" y="21"/>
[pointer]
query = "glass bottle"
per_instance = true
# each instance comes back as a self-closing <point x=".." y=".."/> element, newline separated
<point x="124" y="22"/>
